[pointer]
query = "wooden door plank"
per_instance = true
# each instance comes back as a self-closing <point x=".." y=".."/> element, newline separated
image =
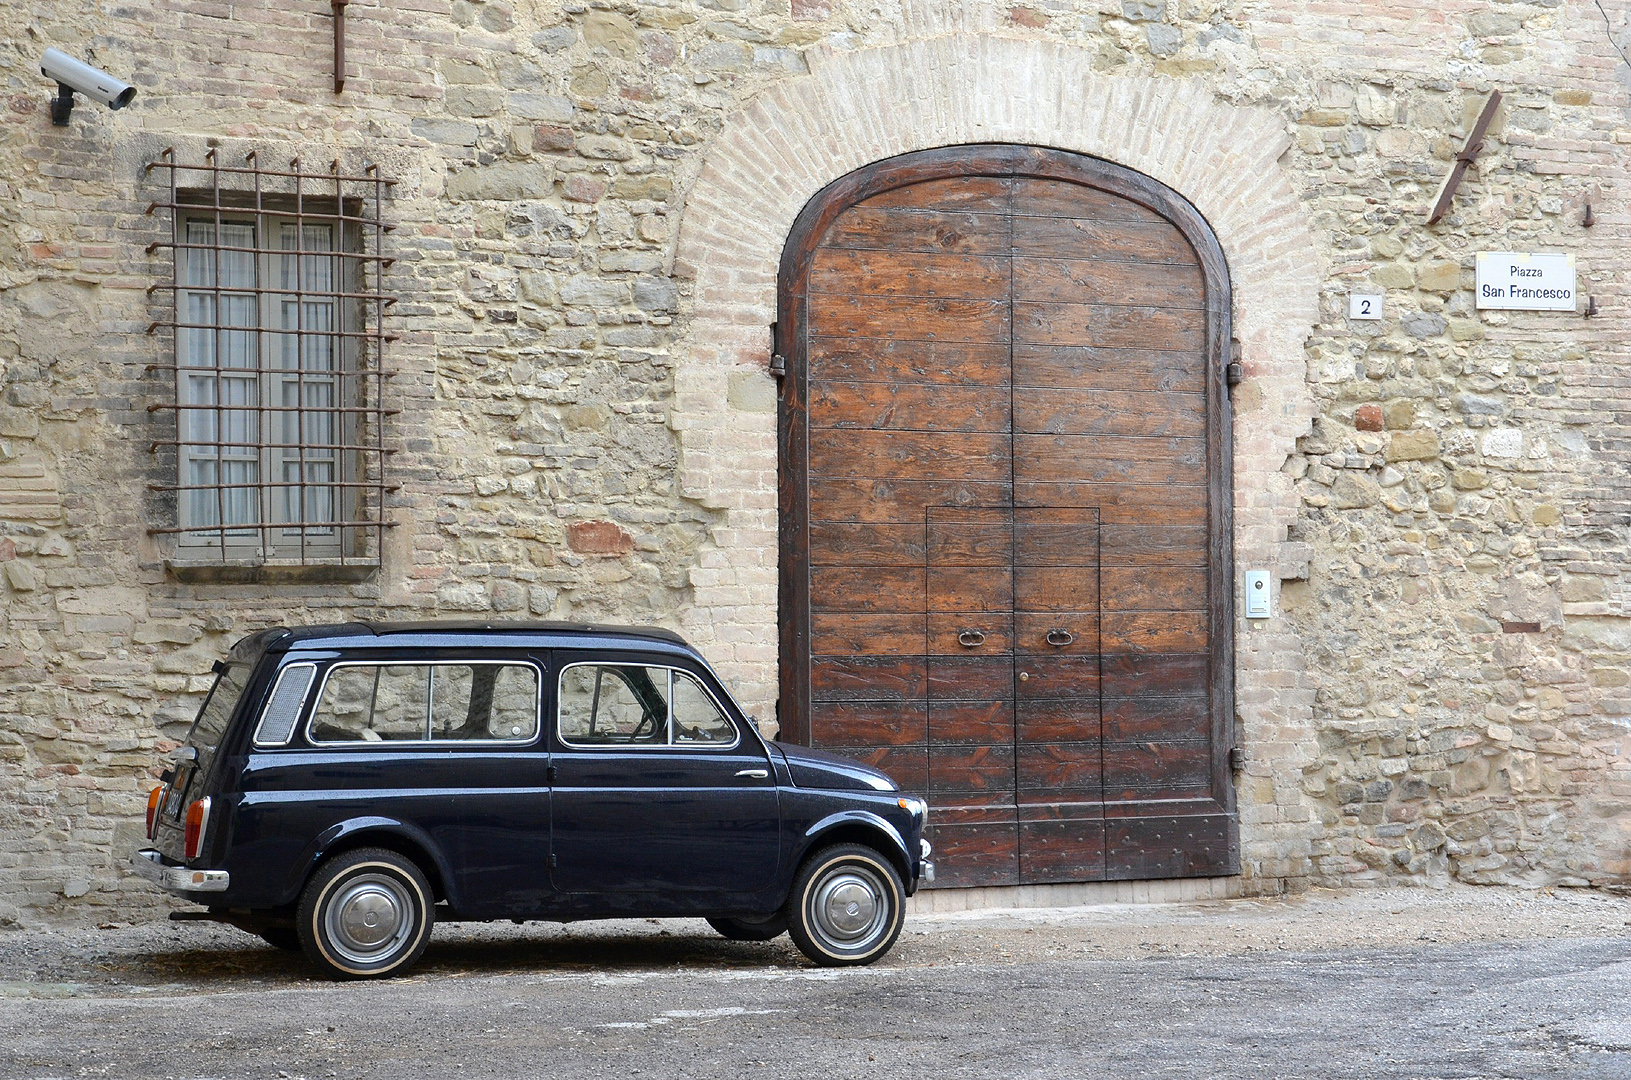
<point x="1119" y="503"/>
<point x="910" y="455"/>
<point x="909" y="363"/>
<point x="972" y="678"/>
<point x="1153" y="545"/>
<point x="881" y="589"/>
<point x="880" y="406"/>
<point x="896" y="500"/>
<point x="848" y="272"/>
<point x="970" y="589"/>
<point x="1165" y="329"/>
<point x="1120" y="459"/>
<point x="1106" y="281"/>
<point x="849" y="634"/>
<point x="900" y="230"/>
<point x="986" y="723"/>
<point x="1150" y="716"/>
<point x="868" y="678"/>
<point x="1154" y="631"/>
<point x="1072" y="367"/>
<point x="1143" y="588"/>
<point x="1067" y="849"/>
<point x="1109" y="412"/>
<point x="868" y="723"/>
<point x="950" y="193"/>
<point x="916" y="319"/>
<point x="970" y="633"/>
<point x="843" y="543"/>
<point x="1058" y="238"/>
<point x="1038" y="197"/>
<point x="970" y="544"/>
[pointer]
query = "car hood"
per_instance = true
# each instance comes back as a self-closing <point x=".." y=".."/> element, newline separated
<point x="819" y="769"/>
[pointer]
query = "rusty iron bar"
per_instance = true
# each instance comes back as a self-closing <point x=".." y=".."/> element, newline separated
<point x="1469" y="152"/>
<point x="229" y="170"/>
<point x="338" y="8"/>
<point x="277" y="526"/>
<point x="372" y="485"/>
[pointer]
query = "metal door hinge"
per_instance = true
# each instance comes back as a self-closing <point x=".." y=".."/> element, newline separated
<point x="552" y="863"/>
<point x="1234" y="373"/>
<point x="1237" y="759"/>
<point x="549" y="774"/>
<point x="778" y="365"/>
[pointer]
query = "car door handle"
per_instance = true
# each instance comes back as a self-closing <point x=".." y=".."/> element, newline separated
<point x="754" y="774"/>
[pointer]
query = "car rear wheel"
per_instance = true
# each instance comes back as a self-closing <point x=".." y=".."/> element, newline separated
<point x="365" y="914"/>
<point x="846" y="906"/>
<point x="751" y="929"/>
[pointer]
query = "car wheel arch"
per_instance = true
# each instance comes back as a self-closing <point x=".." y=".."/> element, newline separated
<point x="401" y="837"/>
<point x="857" y="827"/>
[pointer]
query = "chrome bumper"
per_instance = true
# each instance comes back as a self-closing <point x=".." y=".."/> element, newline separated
<point x="177" y="879"/>
<point x="925" y="867"/>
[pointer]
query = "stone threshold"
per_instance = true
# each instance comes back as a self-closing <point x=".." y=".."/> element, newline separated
<point x="1082" y="894"/>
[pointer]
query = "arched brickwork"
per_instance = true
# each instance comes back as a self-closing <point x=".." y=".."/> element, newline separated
<point x="864" y="106"/>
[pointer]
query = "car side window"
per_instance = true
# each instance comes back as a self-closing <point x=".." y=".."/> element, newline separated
<point x="696" y="718"/>
<point x="632" y="704"/>
<point x="605" y="703"/>
<point x="427" y="702"/>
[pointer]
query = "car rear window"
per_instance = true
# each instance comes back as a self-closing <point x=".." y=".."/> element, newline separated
<point x="451" y="702"/>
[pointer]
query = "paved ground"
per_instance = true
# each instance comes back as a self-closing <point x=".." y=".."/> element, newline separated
<point x="1463" y="983"/>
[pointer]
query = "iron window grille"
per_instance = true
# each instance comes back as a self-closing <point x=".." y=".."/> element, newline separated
<point x="275" y="309"/>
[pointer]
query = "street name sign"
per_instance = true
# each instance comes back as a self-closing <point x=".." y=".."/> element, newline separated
<point x="1512" y="281"/>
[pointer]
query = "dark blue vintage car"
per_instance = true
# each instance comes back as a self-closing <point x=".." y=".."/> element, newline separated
<point x="344" y="787"/>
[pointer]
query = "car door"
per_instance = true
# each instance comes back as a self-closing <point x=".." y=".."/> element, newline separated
<point x="657" y="787"/>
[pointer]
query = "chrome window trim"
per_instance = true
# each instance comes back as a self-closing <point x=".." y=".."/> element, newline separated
<point x="670" y="745"/>
<point x="538" y="705"/>
<point x="277" y="687"/>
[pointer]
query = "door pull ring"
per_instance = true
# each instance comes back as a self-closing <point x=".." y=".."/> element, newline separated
<point x="971" y="639"/>
<point x="754" y="774"/>
<point x="1059" y="637"/>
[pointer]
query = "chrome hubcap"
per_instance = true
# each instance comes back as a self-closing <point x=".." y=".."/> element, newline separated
<point x="850" y="908"/>
<point x="370" y="917"/>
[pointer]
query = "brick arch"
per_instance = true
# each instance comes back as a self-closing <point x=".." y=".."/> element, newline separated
<point x="864" y="106"/>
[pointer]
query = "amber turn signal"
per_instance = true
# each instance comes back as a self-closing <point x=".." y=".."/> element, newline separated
<point x="154" y="798"/>
<point x="198" y="820"/>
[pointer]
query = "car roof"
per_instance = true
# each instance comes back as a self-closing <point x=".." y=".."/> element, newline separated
<point x="469" y="632"/>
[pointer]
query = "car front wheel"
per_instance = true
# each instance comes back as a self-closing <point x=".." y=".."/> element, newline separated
<point x="846" y="906"/>
<point x="364" y="914"/>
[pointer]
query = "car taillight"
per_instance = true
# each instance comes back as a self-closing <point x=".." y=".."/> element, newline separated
<point x="198" y="819"/>
<point x="155" y="799"/>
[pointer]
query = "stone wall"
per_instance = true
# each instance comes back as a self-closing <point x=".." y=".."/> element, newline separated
<point x="591" y="200"/>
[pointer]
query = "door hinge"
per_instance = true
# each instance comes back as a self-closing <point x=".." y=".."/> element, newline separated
<point x="778" y="365"/>
<point x="552" y="862"/>
<point x="1234" y="373"/>
<point x="1237" y="759"/>
<point x="549" y="774"/>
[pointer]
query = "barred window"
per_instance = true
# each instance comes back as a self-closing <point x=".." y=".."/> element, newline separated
<point x="278" y="381"/>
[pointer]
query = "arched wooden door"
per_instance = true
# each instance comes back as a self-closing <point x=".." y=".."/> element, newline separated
<point x="1005" y="493"/>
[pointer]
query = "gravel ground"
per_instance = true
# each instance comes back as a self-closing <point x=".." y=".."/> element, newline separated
<point x="1464" y="983"/>
<point x="160" y="956"/>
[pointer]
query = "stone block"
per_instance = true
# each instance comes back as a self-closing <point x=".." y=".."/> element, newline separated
<point x="1439" y="276"/>
<point x="1412" y="446"/>
<point x="505" y="181"/>
<point x="1399" y="415"/>
<point x="1368" y="418"/>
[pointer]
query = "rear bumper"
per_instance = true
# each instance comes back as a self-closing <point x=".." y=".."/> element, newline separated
<point x="178" y="879"/>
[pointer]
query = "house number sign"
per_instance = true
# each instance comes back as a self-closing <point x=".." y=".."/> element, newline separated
<point x="1511" y="281"/>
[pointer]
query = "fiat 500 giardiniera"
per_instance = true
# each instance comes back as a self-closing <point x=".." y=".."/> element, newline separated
<point x="344" y="787"/>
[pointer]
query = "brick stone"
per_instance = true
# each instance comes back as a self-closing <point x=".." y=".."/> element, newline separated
<point x="599" y="538"/>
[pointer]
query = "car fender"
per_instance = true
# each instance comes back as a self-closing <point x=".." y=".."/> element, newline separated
<point x="874" y="822"/>
<point x="343" y="833"/>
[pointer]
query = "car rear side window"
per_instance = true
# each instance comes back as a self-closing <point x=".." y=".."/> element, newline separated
<point x="631" y="704"/>
<point x="452" y="702"/>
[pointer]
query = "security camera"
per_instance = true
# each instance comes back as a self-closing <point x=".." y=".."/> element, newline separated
<point x="72" y="75"/>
